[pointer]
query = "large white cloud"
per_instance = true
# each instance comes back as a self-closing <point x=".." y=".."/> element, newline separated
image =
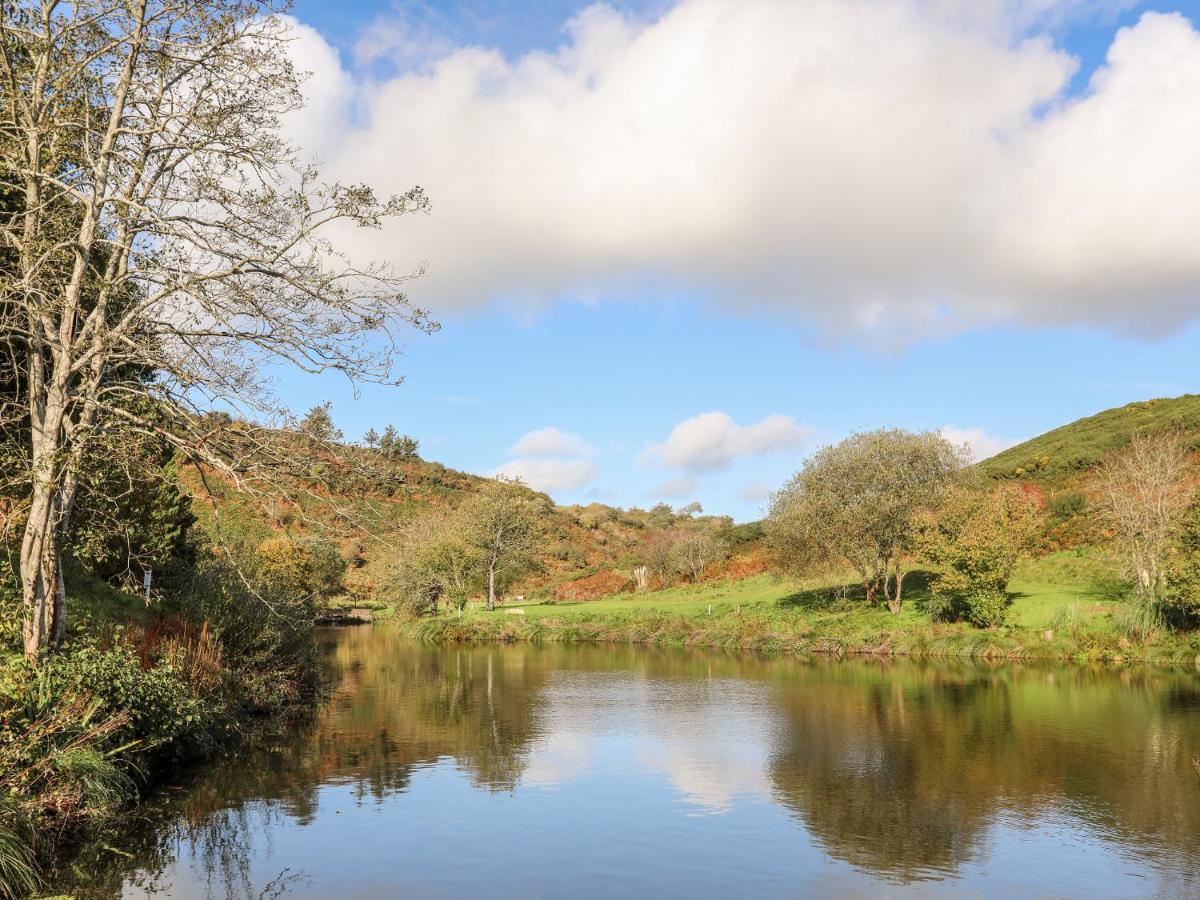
<point x="884" y="168"/>
<point x="713" y="440"/>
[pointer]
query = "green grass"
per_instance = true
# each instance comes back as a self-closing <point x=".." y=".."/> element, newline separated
<point x="1063" y="606"/>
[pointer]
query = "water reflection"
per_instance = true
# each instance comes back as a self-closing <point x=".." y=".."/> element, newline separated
<point x="516" y="770"/>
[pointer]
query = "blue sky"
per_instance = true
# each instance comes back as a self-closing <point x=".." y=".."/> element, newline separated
<point x="619" y="362"/>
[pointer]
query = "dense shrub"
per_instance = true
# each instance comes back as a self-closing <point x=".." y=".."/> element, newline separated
<point x="976" y="540"/>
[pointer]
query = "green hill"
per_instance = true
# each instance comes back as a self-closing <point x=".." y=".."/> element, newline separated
<point x="1081" y="445"/>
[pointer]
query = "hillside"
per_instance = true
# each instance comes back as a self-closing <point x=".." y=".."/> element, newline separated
<point x="362" y="500"/>
<point x="1079" y="446"/>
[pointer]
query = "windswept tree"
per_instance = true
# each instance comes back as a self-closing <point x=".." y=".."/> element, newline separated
<point x="163" y="243"/>
<point x="853" y="504"/>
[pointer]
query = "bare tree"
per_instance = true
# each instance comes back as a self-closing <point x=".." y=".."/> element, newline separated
<point x="1144" y="496"/>
<point x="166" y="242"/>
<point x="693" y="551"/>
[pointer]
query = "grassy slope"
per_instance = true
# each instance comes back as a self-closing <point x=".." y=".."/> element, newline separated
<point x="1080" y="445"/>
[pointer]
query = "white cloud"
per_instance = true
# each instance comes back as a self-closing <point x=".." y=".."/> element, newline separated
<point x="674" y="488"/>
<point x="550" y="475"/>
<point x="981" y="444"/>
<point x="550" y="459"/>
<point x="889" y="169"/>
<point x="755" y="491"/>
<point x="713" y="440"/>
<point x="551" y="441"/>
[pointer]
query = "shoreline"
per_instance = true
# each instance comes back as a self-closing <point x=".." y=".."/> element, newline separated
<point x="770" y="634"/>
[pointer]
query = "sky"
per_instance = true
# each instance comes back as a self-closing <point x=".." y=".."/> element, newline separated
<point x="677" y="246"/>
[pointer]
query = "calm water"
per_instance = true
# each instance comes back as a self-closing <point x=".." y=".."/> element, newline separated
<point x="610" y="772"/>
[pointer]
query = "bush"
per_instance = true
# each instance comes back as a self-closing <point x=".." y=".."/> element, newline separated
<point x="1066" y="506"/>
<point x="258" y="621"/>
<point x="976" y="540"/>
<point x="159" y="703"/>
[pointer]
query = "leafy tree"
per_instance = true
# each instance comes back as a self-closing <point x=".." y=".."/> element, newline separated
<point x="661" y="515"/>
<point x="854" y="504"/>
<point x="500" y="524"/>
<point x="371" y="438"/>
<point x="299" y="570"/>
<point x="134" y="518"/>
<point x="692" y="509"/>
<point x="976" y="540"/>
<point x="434" y="561"/>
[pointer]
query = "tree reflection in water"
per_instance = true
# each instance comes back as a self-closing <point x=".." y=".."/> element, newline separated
<point x="901" y="770"/>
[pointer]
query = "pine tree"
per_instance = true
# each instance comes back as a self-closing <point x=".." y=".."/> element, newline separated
<point x="318" y="424"/>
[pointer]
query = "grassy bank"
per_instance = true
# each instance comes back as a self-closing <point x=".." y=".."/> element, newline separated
<point x="133" y="693"/>
<point x="1067" y="606"/>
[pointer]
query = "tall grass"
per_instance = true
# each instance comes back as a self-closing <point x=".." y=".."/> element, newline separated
<point x="18" y="870"/>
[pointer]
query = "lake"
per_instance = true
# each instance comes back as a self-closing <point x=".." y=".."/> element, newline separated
<point x="527" y="771"/>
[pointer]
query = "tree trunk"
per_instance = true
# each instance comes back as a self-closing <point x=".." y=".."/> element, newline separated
<point x="42" y="590"/>
<point x="491" y="588"/>
<point x="872" y="588"/>
<point x="899" y="591"/>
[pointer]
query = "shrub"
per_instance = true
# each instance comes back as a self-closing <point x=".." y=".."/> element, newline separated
<point x="1065" y="506"/>
<point x="976" y="540"/>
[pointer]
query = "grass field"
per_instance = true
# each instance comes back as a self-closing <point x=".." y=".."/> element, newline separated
<point x="1041" y="589"/>
<point x="1063" y="606"/>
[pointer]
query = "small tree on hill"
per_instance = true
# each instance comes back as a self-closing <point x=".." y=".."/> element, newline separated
<point x="387" y="440"/>
<point x="317" y="424"/>
<point x="371" y="438"/>
<point x="406" y="448"/>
